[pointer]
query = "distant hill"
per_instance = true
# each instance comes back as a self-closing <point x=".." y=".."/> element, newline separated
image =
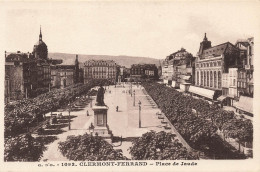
<point x="126" y="61"/>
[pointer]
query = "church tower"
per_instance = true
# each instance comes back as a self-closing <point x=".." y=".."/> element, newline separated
<point x="205" y="44"/>
<point x="40" y="49"/>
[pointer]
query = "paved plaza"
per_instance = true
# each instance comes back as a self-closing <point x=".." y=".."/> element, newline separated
<point x="124" y="123"/>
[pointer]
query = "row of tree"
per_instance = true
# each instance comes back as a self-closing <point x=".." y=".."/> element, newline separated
<point x="159" y="146"/>
<point x="22" y="114"/>
<point x="20" y="145"/>
<point x="197" y="120"/>
<point x="150" y="146"/>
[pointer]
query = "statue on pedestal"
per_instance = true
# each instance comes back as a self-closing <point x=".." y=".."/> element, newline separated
<point x="100" y="96"/>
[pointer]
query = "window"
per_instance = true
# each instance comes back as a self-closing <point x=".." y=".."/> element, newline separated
<point x="219" y="79"/>
<point x="215" y="79"/>
<point x="197" y="78"/>
<point x="201" y="78"/>
<point x="204" y="79"/>
<point x="211" y="79"/>
<point x="207" y="78"/>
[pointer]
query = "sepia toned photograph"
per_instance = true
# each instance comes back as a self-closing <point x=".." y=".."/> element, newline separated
<point x="128" y="83"/>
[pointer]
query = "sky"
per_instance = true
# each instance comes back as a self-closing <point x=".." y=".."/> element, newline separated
<point x="147" y="29"/>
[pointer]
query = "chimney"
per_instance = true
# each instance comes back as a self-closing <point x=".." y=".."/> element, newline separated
<point x="5" y="54"/>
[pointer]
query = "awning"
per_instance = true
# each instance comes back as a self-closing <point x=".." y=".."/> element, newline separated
<point x="245" y="104"/>
<point x="186" y="77"/>
<point x="231" y="96"/>
<point x="221" y="98"/>
<point x="185" y="86"/>
<point x="202" y="92"/>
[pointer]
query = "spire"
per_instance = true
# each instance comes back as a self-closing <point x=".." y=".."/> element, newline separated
<point x="205" y="44"/>
<point x="205" y="37"/>
<point x="40" y="36"/>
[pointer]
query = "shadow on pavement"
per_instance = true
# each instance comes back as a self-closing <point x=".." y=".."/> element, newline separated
<point x="57" y="126"/>
<point x="46" y="139"/>
<point x="159" y="126"/>
<point x="51" y="132"/>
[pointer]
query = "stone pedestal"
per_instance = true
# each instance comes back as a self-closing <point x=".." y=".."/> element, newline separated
<point x="100" y="121"/>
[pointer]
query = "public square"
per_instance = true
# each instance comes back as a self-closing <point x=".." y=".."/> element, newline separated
<point x="124" y="123"/>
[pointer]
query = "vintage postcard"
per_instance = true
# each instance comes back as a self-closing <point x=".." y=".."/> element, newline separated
<point x="130" y="86"/>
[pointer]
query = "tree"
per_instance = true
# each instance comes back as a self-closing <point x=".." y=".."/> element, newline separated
<point x="90" y="148"/>
<point x="159" y="146"/>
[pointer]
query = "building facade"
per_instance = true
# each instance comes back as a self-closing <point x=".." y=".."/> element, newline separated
<point x="20" y="76"/>
<point x="143" y="71"/>
<point x="177" y="68"/>
<point x="28" y="74"/>
<point x="213" y="62"/>
<point x="100" y="69"/>
<point x="65" y="75"/>
<point x="245" y="81"/>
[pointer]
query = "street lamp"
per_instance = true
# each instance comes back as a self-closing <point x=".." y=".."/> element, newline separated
<point x="134" y="97"/>
<point x="69" y="115"/>
<point x="131" y="88"/>
<point x="140" y="113"/>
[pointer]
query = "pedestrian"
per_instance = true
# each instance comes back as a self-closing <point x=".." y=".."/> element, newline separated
<point x="117" y="108"/>
<point x="87" y="113"/>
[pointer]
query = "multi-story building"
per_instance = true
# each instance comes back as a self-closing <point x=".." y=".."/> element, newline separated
<point x="211" y="64"/>
<point x="177" y="68"/>
<point x="122" y="73"/>
<point x="100" y="69"/>
<point x="229" y="86"/>
<point x="143" y="71"/>
<point x="65" y="75"/>
<point x="165" y="71"/>
<point x="232" y="91"/>
<point x="55" y="79"/>
<point x="26" y="74"/>
<point x="245" y="74"/>
<point x="20" y="76"/>
<point x="225" y="84"/>
<point x="245" y="81"/>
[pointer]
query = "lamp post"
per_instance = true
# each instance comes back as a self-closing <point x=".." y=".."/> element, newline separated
<point x="69" y="115"/>
<point x="131" y="88"/>
<point x="140" y="113"/>
<point x="134" y="97"/>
